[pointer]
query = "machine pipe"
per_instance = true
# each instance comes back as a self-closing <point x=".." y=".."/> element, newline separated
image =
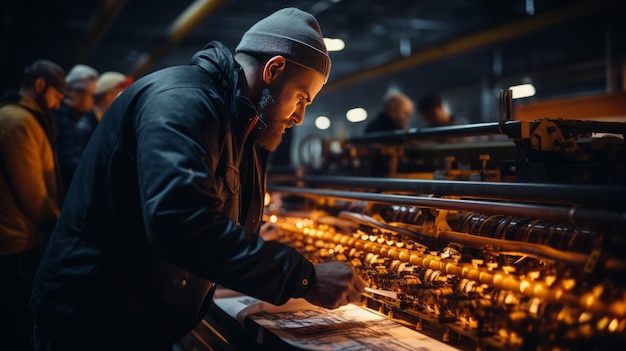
<point x="572" y="214"/>
<point x="583" y="195"/>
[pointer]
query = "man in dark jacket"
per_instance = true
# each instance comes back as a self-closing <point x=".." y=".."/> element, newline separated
<point x="74" y="121"/>
<point x="168" y="196"/>
<point x="396" y="115"/>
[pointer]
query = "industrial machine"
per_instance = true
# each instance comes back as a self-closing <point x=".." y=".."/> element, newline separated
<point x="515" y="243"/>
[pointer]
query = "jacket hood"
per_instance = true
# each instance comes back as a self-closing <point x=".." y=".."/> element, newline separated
<point x="10" y="96"/>
<point x="218" y="62"/>
<point x="215" y="58"/>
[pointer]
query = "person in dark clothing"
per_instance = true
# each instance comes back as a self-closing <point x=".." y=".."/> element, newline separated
<point x="109" y="86"/>
<point x="396" y="115"/>
<point x="29" y="195"/>
<point x="433" y="111"/>
<point x="167" y="199"/>
<point x="74" y="123"/>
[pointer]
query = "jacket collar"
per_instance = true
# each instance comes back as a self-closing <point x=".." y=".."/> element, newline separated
<point x="218" y="62"/>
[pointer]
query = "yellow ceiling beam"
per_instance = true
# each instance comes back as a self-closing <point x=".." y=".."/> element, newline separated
<point x="474" y="41"/>
<point x="99" y="25"/>
<point x="180" y="28"/>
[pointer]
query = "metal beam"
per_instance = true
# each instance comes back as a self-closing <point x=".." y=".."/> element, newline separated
<point x="181" y="27"/>
<point x="474" y="41"/>
<point x="564" y="214"/>
<point x="99" y="25"/>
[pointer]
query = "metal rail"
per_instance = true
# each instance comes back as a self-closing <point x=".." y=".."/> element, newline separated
<point x="598" y="196"/>
<point x="572" y="214"/>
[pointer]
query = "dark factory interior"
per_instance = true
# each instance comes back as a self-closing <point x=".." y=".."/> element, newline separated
<point x="504" y="232"/>
<point x="465" y="50"/>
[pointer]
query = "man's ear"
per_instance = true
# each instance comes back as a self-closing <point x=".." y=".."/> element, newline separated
<point x="273" y="68"/>
<point x="40" y="85"/>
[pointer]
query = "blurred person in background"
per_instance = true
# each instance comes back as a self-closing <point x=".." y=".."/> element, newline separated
<point x="72" y="136"/>
<point x="29" y="196"/>
<point x="108" y="87"/>
<point x="435" y="113"/>
<point x="396" y="114"/>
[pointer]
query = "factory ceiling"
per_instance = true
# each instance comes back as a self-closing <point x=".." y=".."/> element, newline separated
<point x="464" y="49"/>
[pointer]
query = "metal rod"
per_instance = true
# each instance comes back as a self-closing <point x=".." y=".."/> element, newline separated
<point x="511" y="128"/>
<point x="583" y="195"/>
<point x="569" y="214"/>
<point x="419" y="134"/>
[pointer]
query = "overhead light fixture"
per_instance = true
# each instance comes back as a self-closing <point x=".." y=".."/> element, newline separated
<point x="522" y="91"/>
<point x="530" y="7"/>
<point x="333" y="44"/>
<point x="356" y="115"/>
<point x="322" y="122"/>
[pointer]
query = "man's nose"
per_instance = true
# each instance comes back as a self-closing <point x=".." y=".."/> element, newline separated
<point x="298" y="116"/>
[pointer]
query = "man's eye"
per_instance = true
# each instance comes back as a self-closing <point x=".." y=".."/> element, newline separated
<point x="300" y="98"/>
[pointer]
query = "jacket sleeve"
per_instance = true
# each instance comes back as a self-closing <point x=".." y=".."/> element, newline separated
<point x="29" y="167"/>
<point x="179" y="140"/>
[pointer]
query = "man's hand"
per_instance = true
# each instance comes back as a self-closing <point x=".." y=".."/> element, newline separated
<point x="335" y="285"/>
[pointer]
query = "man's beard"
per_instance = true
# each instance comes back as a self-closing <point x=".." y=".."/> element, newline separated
<point x="272" y="136"/>
<point x="40" y="100"/>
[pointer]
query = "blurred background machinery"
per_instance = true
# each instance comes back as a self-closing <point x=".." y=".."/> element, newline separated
<point x="544" y="150"/>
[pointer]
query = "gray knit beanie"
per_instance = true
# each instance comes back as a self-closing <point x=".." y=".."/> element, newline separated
<point x="292" y="33"/>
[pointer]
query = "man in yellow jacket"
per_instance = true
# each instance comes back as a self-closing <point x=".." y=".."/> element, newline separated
<point x="29" y="194"/>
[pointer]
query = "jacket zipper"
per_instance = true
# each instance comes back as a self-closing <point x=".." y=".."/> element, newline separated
<point x="245" y="136"/>
<point x="240" y="155"/>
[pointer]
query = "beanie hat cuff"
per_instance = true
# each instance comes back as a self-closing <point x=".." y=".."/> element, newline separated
<point x="294" y="50"/>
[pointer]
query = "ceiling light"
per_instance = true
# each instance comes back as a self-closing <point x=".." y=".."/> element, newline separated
<point x="334" y="44"/>
<point x="356" y="115"/>
<point x="322" y="122"/>
<point x="522" y="91"/>
<point x="530" y="7"/>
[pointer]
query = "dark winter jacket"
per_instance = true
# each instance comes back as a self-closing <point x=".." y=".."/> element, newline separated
<point x="382" y="123"/>
<point x="73" y="132"/>
<point x="167" y="197"/>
